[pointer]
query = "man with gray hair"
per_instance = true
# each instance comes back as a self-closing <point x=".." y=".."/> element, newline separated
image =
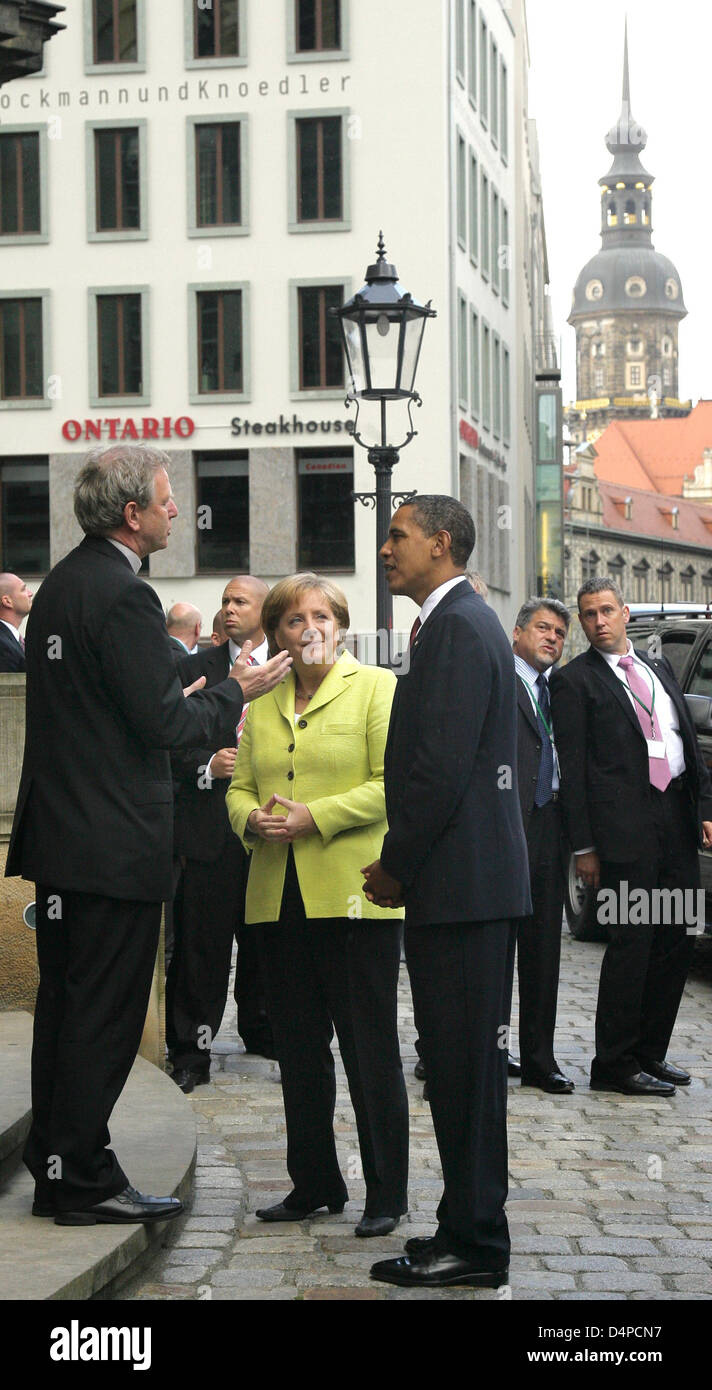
<point x="93" y="821"/>
<point x="538" y="641"/>
<point x="183" y="624"/>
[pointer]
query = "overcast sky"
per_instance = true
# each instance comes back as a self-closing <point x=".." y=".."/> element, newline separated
<point x="575" y="96"/>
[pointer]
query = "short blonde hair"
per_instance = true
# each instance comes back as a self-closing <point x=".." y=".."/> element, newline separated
<point x="288" y="590"/>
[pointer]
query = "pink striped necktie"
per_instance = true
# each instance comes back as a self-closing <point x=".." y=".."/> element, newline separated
<point x="660" y="775"/>
<point x="250" y="662"/>
<point x="22" y="641"/>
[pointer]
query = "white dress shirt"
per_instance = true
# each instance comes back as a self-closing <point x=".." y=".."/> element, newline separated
<point x="133" y="559"/>
<point x="434" y="598"/>
<point x="14" y="630"/>
<point x="259" y="656"/>
<point x="530" y="676"/>
<point x="664" y="707"/>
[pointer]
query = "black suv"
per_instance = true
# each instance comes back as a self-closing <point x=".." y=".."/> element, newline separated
<point x="682" y="633"/>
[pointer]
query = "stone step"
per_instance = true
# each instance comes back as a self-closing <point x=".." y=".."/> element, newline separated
<point x="15" y="1115"/>
<point x="153" y="1133"/>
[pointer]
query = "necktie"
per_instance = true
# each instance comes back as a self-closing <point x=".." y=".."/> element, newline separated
<point x="545" y="776"/>
<point x="22" y="642"/>
<point x="414" y="631"/>
<point x="238" y="733"/>
<point x="659" y="768"/>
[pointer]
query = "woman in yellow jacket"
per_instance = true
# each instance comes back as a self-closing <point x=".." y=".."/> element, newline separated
<point x="307" y="800"/>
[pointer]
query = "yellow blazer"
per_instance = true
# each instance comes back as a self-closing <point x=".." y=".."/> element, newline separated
<point x="332" y="761"/>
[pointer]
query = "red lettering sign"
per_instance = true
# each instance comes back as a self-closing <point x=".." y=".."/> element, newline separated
<point x="114" y="428"/>
<point x="469" y="434"/>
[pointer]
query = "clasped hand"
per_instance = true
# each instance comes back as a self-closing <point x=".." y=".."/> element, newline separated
<point x="381" y="888"/>
<point x="293" y="826"/>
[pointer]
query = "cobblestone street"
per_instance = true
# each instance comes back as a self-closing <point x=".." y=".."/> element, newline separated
<point x="609" y="1196"/>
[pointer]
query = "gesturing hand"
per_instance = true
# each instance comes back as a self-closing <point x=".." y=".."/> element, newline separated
<point x="588" y="867"/>
<point x="222" y="764"/>
<point x="258" y="680"/>
<point x="197" y="685"/>
<point x="297" y="822"/>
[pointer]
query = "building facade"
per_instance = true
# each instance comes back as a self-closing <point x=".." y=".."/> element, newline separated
<point x="184" y="198"/>
<point x="627" y="301"/>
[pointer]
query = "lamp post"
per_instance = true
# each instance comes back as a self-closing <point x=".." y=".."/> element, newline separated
<point x="382" y="331"/>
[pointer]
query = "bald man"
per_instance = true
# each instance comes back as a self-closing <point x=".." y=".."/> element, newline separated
<point x="184" y="624"/>
<point x="208" y="910"/>
<point x="218" y="635"/>
<point x="15" y="604"/>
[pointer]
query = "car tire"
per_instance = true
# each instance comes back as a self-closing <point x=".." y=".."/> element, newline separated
<point x="580" y="906"/>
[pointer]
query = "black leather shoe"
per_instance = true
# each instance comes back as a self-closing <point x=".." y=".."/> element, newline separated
<point x="260" y="1047"/>
<point x="188" y="1079"/>
<point x="280" y="1212"/>
<point x="664" y="1071"/>
<point x="43" y="1208"/>
<point x="419" y="1069"/>
<point x="436" y="1269"/>
<point x="556" y="1084"/>
<point x="126" y="1208"/>
<point x="514" y="1067"/>
<point x="376" y="1225"/>
<point x="640" y="1084"/>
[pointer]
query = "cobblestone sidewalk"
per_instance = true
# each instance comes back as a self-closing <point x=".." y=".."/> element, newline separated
<point x="609" y="1195"/>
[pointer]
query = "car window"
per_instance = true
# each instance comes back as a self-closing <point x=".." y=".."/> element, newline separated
<point x="701" y="683"/>
<point x="677" y="647"/>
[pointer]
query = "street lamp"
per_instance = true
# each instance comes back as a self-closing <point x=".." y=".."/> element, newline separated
<point x="382" y="331"/>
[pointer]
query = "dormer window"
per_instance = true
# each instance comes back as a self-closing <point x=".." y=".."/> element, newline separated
<point x="635" y="286"/>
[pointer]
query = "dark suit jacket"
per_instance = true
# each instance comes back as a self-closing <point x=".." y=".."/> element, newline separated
<point x="605" y="784"/>
<point x="104" y="705"/>
<point x="455" y="839"/>
<point x="528" y="752"/>
<point x="202" y="825"/>
<point x="12" y="657"/>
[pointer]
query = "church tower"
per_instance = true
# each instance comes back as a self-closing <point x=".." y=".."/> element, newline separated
<point x="627" y="302"/>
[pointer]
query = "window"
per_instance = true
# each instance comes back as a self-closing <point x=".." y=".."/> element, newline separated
<point x="634" y="347"/>
<point x="114" y="34"/>
<point x="460" y="40"/>
<point x="615" y="568"/>
<point x="119" y="341"/>
<point x="216" y="29"/>
<point x="667" y="376"/>
<point x="21" y="336"/>
<point x="218" y="172"/>
<point x="474" y="210"/>
<point x="485" y="228"/>
<point x="20" y="197"/>
<point x="504" y="112"/>
<point x="222" y="486"/>
<point x="220" y="341"/>
<point x="318" y="193"/>
<point x="707" y="586"/>
<point x="701" y="683"/>
<point x="326" y="509"/>
<point x="461" y="195"/>
<point x="640" y="582"/>
<point x="634" y="374"/>
<point x="598" y="379"/>
<point x="495" y="240"/>
<point x="462" y="382"/>
<point x="496" y="387"/>
<point x="677" y="647"/>
<point x="494" y="92"/>
<point x="687" y="580"/>
<point x="321" y="357"/>
<point x="117" y="186"/>
<point x="486" y="376"/>
<point x="318" y="25"/>
<point x="589" y="566"/>
<point x="475" y="364"/>
<point x="484" y="84"/>
<point x="506" y="254"/>
<point x="665" y="582"/>
<point x="506" y="397"/>
<point x="472" y="54"/>
<point x="24" y="515"/>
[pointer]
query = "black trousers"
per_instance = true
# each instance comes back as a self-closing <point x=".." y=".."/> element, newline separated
<point x="208" y="912"/>
<point x="539" y="944"/>
<point x="96" y="958"/>
<point x="461" y="977"/>
<point x="645" y="965"/>
<point x="321" y="974"/>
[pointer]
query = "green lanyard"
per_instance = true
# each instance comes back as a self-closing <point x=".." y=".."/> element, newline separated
<point x="542" y="716"/>
<point x="650" y="712"/>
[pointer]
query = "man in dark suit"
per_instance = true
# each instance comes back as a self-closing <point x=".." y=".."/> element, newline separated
<point x="208" y="910"/>
<point x="637" y="803"/>
<point x="455" y="853"/>
<point x="93" y="822"/>
<point x="538" y="641"/>
<point x="15" y="604"/>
